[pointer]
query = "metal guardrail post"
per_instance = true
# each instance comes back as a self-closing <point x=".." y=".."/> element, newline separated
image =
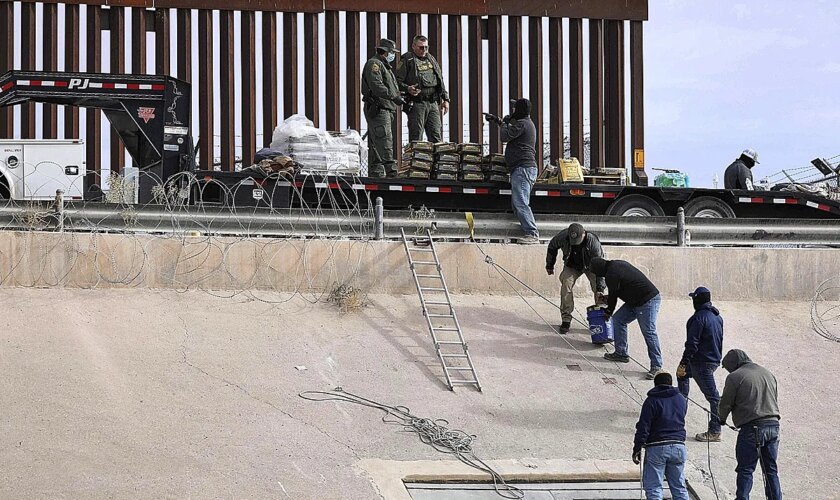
<point x="379" y="219"/>
<point x="681" y="240"/>
<point x="59" y="209"/>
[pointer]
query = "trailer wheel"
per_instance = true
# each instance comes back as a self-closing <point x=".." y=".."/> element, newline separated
<point x="635" y="205"/>
<point x="709" y="208"/>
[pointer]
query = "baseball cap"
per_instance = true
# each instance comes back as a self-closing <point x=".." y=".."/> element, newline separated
<point x="576" y="234"/>
<point x="700" y="290"/>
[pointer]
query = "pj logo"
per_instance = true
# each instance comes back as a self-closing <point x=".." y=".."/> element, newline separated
<point x="146" y="114"/>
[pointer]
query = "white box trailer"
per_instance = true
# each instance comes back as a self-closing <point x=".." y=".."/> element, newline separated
<point x="33" y="169"/>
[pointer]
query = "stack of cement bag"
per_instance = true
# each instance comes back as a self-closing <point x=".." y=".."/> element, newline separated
<point x="319" y="151"/>
<point x="470" y="162"/>
<point x="447" y="161"/>
<point x="494" y="168"/>
<point x="418" y="160"/>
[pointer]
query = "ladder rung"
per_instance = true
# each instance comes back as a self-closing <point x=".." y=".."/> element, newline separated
<point x="432" y="289"/>
<point x="463" y="382"/>
<point x="414" y="249"/>
<point x="450" y="342"/>
<point x="424" y="262"/>
<point x="453" y="355"/>
<point x="436" y="303"/>
<point x="444" y="329"/>
<point x="429" y="276"/>
<point x="459" y="368"/>
<point x="441" y="315"/>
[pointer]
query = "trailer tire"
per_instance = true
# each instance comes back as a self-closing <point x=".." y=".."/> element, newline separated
<point x="709" y="208"/>
<point x="635" y="205"/>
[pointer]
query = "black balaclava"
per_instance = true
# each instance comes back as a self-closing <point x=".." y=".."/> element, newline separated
<point x="700" y="299"/>
<point x="749" y="162"/>
<point x="521" y="109"/>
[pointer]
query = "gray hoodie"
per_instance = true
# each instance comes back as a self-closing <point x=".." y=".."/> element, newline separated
<point x="750" y="392"/>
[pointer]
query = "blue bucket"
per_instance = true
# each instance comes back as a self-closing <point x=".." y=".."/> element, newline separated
<point x="600" y="327"/>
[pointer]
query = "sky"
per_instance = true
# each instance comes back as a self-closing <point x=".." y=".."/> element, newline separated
<point x="721" y="76"/>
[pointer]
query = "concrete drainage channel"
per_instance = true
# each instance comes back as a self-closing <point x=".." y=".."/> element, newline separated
<point x="603" y="490"/>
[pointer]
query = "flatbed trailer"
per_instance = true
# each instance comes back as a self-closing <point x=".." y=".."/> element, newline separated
<point x="582" y="199"/>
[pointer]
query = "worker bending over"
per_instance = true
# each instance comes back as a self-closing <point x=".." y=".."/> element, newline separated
<point x="579" y="247"/>
<point x="739" y="175"/>
<point x="641" y="302"/>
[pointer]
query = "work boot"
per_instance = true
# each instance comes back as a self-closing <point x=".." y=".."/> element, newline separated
<point x="653" y="372"/>
<point x="528" y="240"/>
<point x="618" y="358"/>
<point x="564" y="327"/>
<point x="708" y="437"/>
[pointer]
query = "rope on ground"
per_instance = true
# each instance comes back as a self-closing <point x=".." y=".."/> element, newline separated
<point x="434" y="433"/>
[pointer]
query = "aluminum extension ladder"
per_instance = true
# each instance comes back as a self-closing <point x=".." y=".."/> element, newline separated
<point x="437" y="307"/>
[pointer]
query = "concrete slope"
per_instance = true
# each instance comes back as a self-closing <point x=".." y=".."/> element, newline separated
<point x="137" y="393"/>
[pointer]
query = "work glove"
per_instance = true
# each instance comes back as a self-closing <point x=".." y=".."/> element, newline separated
<point x="549" y="270"/>
<point x="637" y="457"/>
<point x="399" y="100"/>
<point x="681" y="371"/>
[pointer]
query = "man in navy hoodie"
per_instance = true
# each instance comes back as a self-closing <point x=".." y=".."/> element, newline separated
<point x="661" y="431"/>
<point x="702" y="355"/>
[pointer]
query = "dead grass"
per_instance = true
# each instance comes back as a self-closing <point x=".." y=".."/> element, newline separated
<point x="347" y="298"/>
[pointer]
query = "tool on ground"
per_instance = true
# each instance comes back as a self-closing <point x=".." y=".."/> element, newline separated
<point x="437" y="309"/>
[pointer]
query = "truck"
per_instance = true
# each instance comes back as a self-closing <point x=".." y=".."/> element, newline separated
<point x="152" y="116"/>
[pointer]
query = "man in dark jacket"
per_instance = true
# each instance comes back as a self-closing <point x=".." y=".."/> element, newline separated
<point x="641" y="302"/>
<point x="751" y="395"/>
<point x="703" y="351"/>
<point x="520" y="134"/>
<point x="579" y="247"/>
<point x="738" y="175"/>
<point x="661" y="432"/>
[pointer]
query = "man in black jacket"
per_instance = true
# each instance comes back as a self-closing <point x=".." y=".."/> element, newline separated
<point x="520" y="134"/>
<point x="661" y="432"/>
<point x="579" y="247"/>
<point x="703" y="351"/>
<point x="641" y="302"/>
<point x="751" y="395"/>
<point x="739" y="175"/>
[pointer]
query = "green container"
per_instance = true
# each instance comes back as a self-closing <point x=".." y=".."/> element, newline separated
<point x="678" y="180"/>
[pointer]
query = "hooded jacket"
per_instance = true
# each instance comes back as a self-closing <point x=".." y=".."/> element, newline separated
<point x="624" y="282"/>
<point x="662" y="420"/>
<point x="750" y="393"/>
<point x="738" y="176"/>
<point x="520" y="134"/>
<point x="704" y="339"/>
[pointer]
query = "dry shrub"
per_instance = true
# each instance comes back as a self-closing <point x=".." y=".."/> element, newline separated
<point x="347" y="298"/>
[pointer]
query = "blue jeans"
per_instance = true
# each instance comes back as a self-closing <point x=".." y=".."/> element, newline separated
<point x="704" y="375"/>
<point x="646" y="314"/>
<point x="666" y="460"/>
<point x="758" y="443"/>
<point x="522" y="180"/>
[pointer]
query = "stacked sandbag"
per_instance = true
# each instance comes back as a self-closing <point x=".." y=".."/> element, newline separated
<point x="470" y="162"/>
<point x="494" y="168"/>
<point x="447" y="161"/>
<point x="318" y="151"/>
<point x="418" y="160"/>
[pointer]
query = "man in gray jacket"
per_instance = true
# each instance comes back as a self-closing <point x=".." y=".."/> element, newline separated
<point x="751" y="395"/>
<point x="579" y="247"/>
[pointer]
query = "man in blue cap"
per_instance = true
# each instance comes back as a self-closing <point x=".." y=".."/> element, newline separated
<point x="701" y="357"/>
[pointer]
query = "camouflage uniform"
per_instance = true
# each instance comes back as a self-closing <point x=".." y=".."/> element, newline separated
<point x="379" y="88"/>
<point x="424" y="72"/>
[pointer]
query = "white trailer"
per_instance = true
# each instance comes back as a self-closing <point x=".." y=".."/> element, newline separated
<point x="33" y="169"/>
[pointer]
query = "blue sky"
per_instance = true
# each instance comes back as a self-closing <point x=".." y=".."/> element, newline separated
<point x="721" y="76"/>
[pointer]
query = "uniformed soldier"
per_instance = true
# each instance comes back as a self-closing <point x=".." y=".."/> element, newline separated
<point x="419" y="75"/>
<point x="381" y="97"/>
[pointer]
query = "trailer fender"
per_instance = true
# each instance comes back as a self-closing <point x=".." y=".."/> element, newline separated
<point x="635" y="205"/>
<point x="708" y="207"/>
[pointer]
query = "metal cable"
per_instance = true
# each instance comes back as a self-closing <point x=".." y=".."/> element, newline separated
<point x="433" y="432"/>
